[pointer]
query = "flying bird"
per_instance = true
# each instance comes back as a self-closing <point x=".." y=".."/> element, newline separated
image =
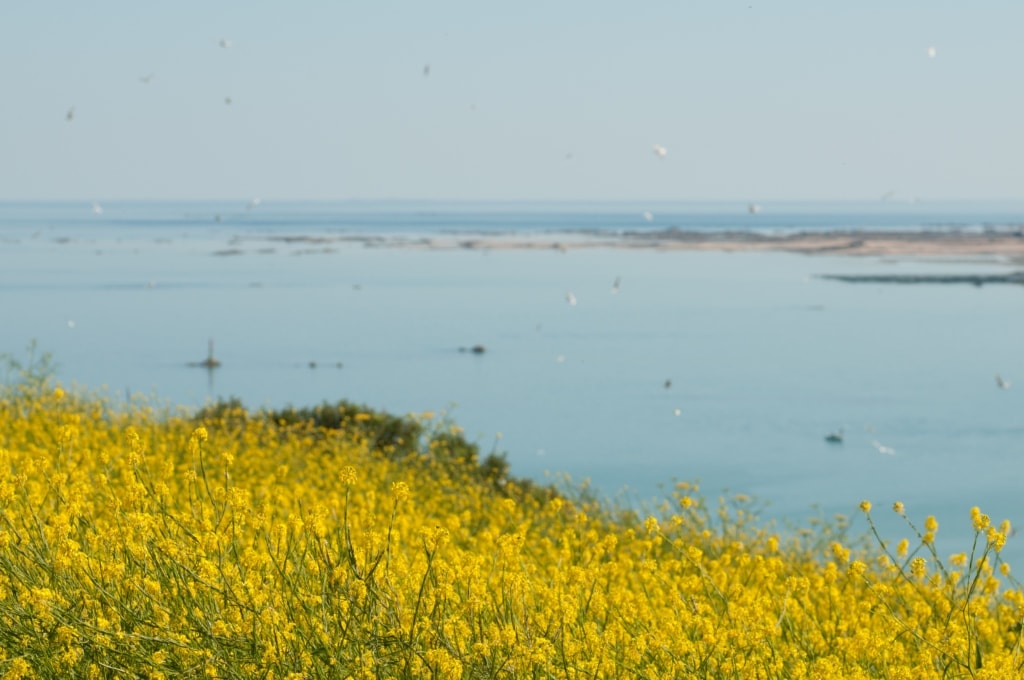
<point x="70" y="114"/>
<point x="931" y="52"/>
<point x="1001" y="383"/>
<point x="617" y="284"/>
<point x="570" y="298"/>
<point x="753" y="208"/>
<point x="225" y="43"/>
<point x="426" y="71"/>
<point x="660" y="151"/>
<point x="648" y="215"/>
<point x="145" y="80"/>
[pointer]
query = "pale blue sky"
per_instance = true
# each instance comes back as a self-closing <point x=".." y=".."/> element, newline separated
<point x="779" y="100"/>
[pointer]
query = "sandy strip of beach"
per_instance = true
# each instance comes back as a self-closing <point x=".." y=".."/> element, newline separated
<point x="1008" y="245"/>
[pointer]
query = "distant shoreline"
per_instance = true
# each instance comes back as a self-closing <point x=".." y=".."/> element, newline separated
<point x="1000" y="244"/>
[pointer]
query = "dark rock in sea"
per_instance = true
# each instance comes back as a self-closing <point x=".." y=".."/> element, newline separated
<point x="972" y="279"/>
<point x="475" y="349"/>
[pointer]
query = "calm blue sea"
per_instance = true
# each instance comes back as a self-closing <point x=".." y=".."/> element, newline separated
<point x="763" y="357"/>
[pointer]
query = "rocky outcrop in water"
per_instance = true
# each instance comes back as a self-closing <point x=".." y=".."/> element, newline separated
<point x="972" y="279"/>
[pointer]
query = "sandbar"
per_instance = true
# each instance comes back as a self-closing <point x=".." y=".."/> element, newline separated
<point x="1003" y="244"/>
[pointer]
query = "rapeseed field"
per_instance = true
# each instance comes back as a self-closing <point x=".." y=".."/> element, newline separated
<point x="142" y="543"/>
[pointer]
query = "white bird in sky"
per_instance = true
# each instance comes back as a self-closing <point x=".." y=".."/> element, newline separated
<point x="931" y="52"/>
<point x="570" y="298"/>
<point x="648" y="215"/>
<point x="660" y="151"/>
<point x="753" y="208"/>
<point x="1001" y="383"/>
<point x="225" y="43"/>
<point x="97" y="209"/>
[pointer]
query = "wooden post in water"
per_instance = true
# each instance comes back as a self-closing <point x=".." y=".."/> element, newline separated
<point x="211" y="361"/>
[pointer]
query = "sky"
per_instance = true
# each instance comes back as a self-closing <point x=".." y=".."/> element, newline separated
<point x="473" y="100"/>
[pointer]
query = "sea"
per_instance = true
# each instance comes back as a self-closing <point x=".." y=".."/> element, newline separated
<point x="628" y="370"/>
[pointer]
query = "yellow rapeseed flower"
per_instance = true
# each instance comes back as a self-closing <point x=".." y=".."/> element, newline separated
<point x="979" y="520"/>
<point x="865" y="506"/>
<point x="400" y="490"/>
<point x="995" y="538"/>
<point x="18" y="668"/>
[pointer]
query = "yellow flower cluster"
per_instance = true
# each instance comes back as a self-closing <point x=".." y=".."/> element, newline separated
<point x="148" y="545"/>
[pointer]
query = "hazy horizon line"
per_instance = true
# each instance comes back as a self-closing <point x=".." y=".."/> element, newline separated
<point x="256" y="202"/>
